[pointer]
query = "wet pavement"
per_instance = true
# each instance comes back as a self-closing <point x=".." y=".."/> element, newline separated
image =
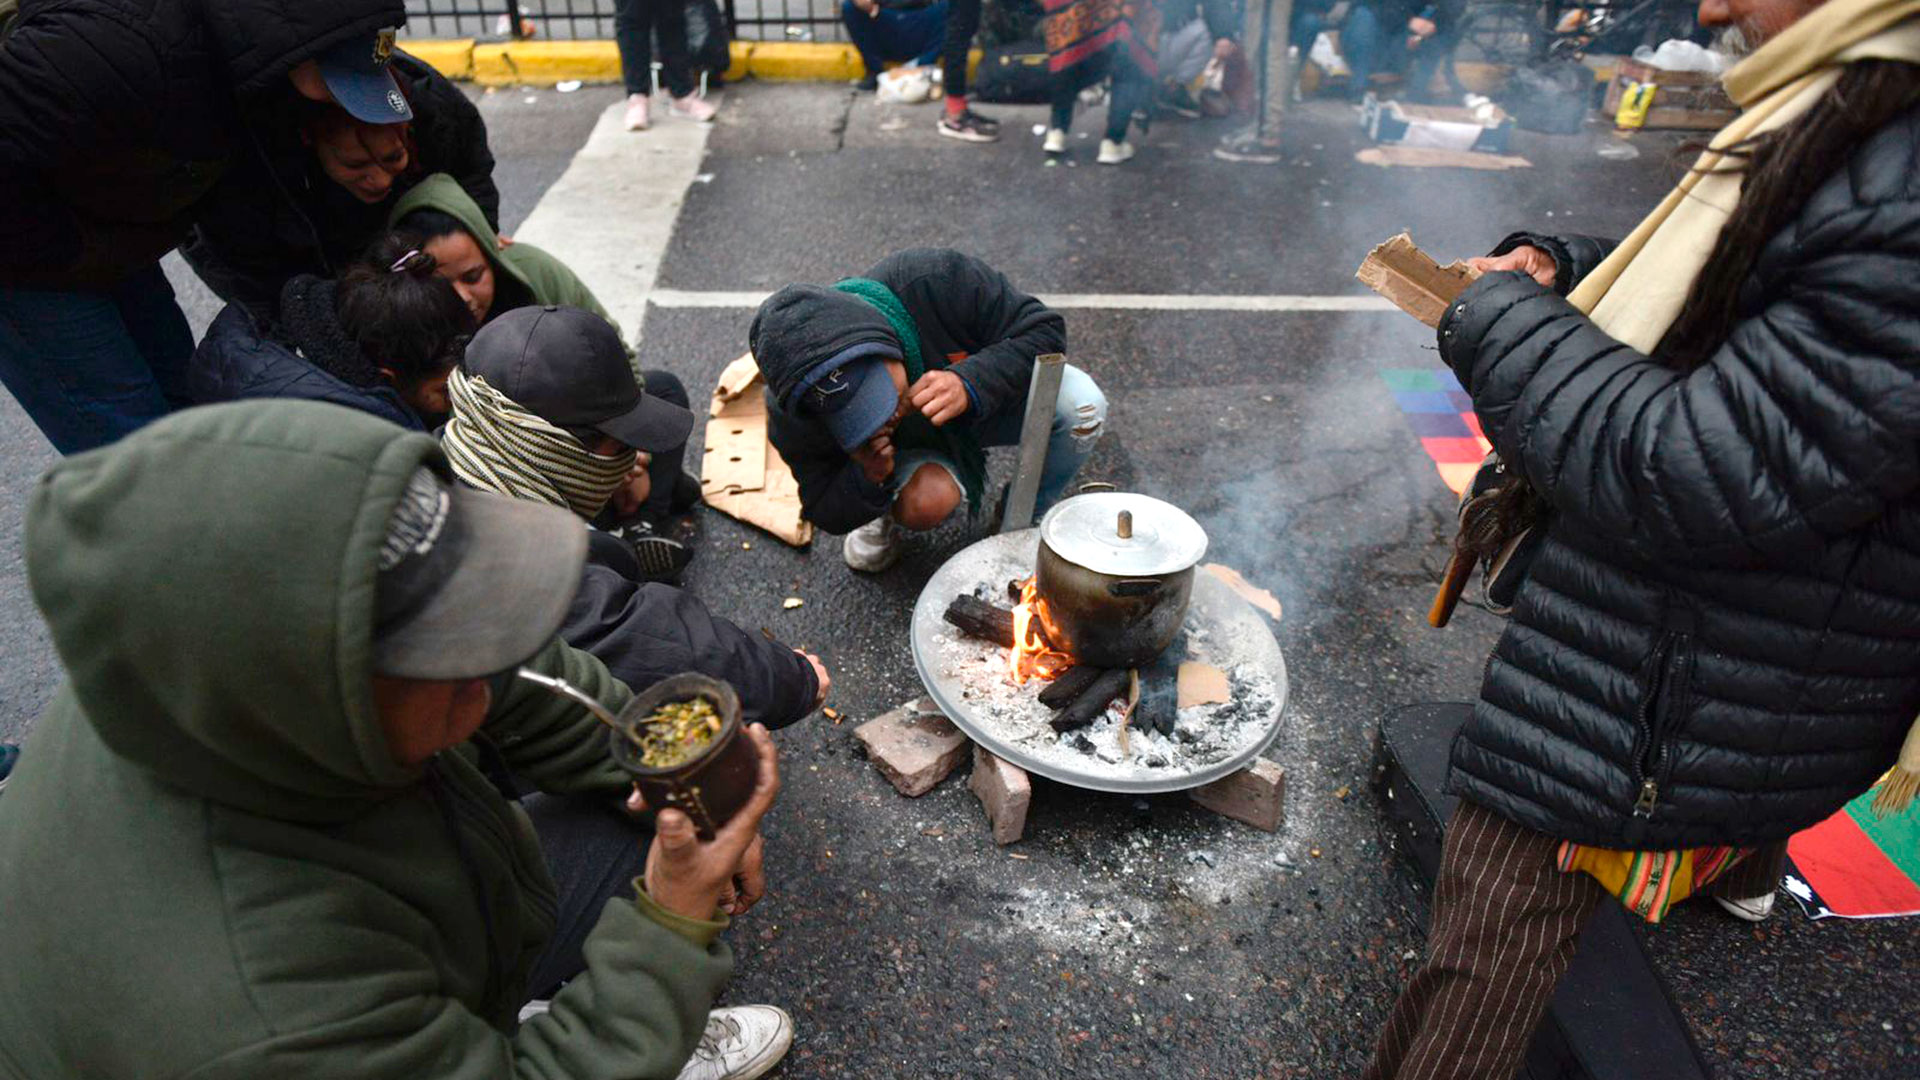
<point x="1137" y="936"/>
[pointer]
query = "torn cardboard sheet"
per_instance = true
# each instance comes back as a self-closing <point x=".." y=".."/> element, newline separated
<point x="1202" y="684"/>
<point x="1429" y="158"/>
<point x="1411" y="279"/>
<point x="741" y="475"/>
<point x="1248" y="591"/>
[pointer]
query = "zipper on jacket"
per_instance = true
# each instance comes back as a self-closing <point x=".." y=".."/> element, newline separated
<point x="1670" y="667"/>
<point x="1647" y="796"/>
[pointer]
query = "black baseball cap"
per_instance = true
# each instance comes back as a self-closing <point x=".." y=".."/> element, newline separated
<point x="470" y="583"/>
<point x="851" y="393"/>
<point x="359" y="75"/>
<point x="567" y="366"/>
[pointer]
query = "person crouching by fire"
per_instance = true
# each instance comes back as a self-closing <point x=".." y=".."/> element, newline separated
<point x="885" y="390"/>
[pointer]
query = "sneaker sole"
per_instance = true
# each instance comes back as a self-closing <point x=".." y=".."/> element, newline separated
<point x="658" y="555"/>
<point x="966" y="136"/>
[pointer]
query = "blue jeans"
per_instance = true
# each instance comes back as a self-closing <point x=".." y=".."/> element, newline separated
<point x="1361" y="43"/>
<point x="1079" y="419"/>
<point x="911" y="36"/>
<point x="90" y="367"/>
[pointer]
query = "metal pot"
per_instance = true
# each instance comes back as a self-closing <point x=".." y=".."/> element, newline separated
<point x="1115" y="575"/>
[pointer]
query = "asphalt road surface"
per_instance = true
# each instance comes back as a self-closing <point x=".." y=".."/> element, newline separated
<point x="1123" y="936"/>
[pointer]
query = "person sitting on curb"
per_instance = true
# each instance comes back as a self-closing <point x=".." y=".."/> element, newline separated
<point x="263" y="824"/>
<point x="491" y="274"/>
<point x="883" y="390"/>
<point x="545" y="407"/>
<point x="912" y="32"/>
<point x="381" y="340"/>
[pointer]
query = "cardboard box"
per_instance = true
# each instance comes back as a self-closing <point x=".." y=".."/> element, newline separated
<point x="1411" y="279"/>
<point x="1438" y="127"/>
<point x="1685" y="100"/>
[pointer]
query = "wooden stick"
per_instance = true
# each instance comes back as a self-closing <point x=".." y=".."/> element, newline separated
<point x="1126" y="715"/>
<point x="1070" y="684"/>
<point x="1088" y="706"/>
<point x="977" y="618"/>
<point x="1452" y="583"/>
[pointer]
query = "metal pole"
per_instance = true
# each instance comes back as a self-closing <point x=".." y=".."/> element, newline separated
<point x="1036" y="430"/>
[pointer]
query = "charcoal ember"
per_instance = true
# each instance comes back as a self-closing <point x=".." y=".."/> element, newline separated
<point x="1070" y="684"/>
<point x="1087" y="708"/>
<point x="1156" y="762"/>
<point x="982" y="619"/>
<point x="1159" y="706"/>
<point x="1080" y="742"/>
<point x="1016" y="589"/>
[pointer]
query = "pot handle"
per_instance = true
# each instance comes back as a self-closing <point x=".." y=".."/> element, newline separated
<point x="1135" y="586"/>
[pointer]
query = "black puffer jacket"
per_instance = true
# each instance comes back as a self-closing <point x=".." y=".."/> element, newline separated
<point x="117" y="117"/>
<point x="965" y="311"/>
<point x="1719" y="642"/>
<point x="646" y="632"/>
<point x="276" y="215"/>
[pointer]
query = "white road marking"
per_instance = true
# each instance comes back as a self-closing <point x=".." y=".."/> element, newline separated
<point x="611" y="214"/>
<point x="683" y="298"/>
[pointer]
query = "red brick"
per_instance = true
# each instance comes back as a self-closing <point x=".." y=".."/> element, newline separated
<point x="1255" y="795"/>
<point x="914" y="746"/>
<point x="1005" y="791"/>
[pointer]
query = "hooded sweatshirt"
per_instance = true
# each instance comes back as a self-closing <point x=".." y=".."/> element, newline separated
<point x="522" y="273"/>
<point x="966" y="312"/>
<point x="210" y="863"/>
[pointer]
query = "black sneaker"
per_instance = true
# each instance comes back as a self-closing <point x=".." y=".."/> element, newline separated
<point x="1247" y="149"/>
<point x="686" y="494"/>
<point x="969" y="126"/>
<point x="661" y="558"/>
<point x="868" y="83"/>
<point x="9" y="754"/>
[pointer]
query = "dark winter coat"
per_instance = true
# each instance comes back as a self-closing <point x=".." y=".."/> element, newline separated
<point x="646" y="632"/>
<point x="965" y="311"/>
<point x="276" y="215"/>
<point x="118" y="117"/>
<point x="1719" y="642"/>
<point x="308" y="355"/>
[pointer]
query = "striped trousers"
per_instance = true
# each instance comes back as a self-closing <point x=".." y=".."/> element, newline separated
<point x="1505" y="919"/>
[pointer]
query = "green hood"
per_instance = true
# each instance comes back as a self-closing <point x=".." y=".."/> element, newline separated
<point x="443" y="193"/>
<point x="532" y="275"/>
<point x="149" y="559"/>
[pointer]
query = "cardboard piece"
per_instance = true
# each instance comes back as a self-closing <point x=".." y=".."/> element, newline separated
<point x="741" y="474"/>
<point x="1411" y="279"/>
<point x="1682" y="100"/>
<point x="1439" y="127"/>
<point x="1248" y="591"/>
<point x="1426" y="158"/>
<point x="1202" y="684"/>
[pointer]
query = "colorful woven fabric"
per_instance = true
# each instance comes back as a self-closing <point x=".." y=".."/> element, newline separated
<point x="1079" y="30"/>
<point x="1648" y="883"/>
<point x="1442" y="418"/>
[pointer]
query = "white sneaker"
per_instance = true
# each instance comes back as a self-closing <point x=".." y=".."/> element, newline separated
<point x="699" y="110"/>
<point x="637" y="119"/>
<point x="742" y="1042"/>
<point x="1113" y="153"/>
<point x="1056" y="141"/>
<point x="1752" y="909"/>
<point x="876" y="545"/>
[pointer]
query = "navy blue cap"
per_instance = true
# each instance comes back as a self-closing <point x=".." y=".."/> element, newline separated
<point x="851" y="393"/>
<point x="360" y="78"/>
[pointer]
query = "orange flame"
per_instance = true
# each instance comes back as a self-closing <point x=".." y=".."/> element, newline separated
<point x="1032" y="656"/>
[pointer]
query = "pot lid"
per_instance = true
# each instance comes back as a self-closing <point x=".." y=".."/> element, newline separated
<point x="1124" y="534"/>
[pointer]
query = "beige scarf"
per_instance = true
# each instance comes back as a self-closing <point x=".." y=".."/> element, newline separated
<point x="1637" y="293"/>
<point x="495" y="445"/>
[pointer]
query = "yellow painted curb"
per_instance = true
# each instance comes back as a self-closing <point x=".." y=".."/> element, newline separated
<point x="454" y="59"/>
<point x="543" y="63"/>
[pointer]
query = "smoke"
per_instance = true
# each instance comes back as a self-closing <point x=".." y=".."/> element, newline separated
<point x="1734" y="43"/>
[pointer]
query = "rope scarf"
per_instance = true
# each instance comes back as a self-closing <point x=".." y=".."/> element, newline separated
<point x="497" y="446"/>
<point x="955" y="442"/>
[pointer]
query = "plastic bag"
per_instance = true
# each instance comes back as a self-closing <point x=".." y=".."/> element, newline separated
<point x="905" y="86"/>
<point x="1679" y="55"/>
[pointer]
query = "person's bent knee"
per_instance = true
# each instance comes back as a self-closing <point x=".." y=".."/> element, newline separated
<point x="1082" y="410"/>
<point x="928" y="498"/>
<point x="666" y="386"/>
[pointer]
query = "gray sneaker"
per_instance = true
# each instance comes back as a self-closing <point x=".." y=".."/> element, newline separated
<point x="741" y="1042"/>
<point x="876" y="545"/>
<point x="1750" y="908"/>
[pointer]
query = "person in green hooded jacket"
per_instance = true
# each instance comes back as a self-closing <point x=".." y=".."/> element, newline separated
<point x="260" y="831"/>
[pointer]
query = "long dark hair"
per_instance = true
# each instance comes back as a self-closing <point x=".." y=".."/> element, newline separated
<point x="1783" y="168"/>
<point x="404" y="317"/>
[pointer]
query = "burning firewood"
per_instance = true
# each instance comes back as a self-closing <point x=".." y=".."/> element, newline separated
<point x="1071" y="684"/>
<point x="1087" y="708"/>
<point x="982" y="619"/>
